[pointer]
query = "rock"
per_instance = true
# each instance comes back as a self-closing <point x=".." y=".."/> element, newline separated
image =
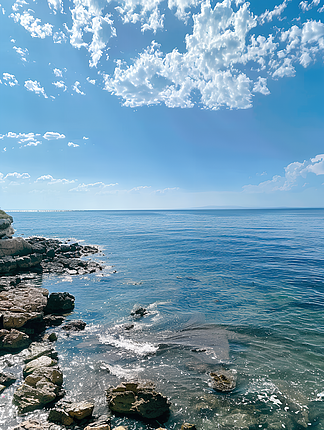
<point x="15" y="246"/>
<point x="60" y="303"/>
<point x="37" y="349"/>
<point x="51" y="374"/>
<point x="36" y="425"/>
<point x="53" y="320"/>
<point x="223" y="380"/>
<point x="139" y="312"/>
<point x="187" y="426"/>
<point x="4" y="215"/>
<point x="76" y="325"/>
<point x="7" y="379"/>
<point x="2" y="388"/>
<point x="51" y="337"/>
<point x="37" y="364"/>
<point x="103" y="423"/>
<point x="13" y="339"/>
<point x="138" y="398"/>
<point x="29" y="398"/>
<point x="80" y="410"/>
<point x="120" y="428"/>
<point x="58" y="415"/>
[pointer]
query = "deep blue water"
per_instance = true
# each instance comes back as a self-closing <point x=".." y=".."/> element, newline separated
<point x="249" y="282"/>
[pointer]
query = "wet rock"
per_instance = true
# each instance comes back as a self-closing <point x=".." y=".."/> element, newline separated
<point x="187" y="426"/>
<point x="35" y="425"/>
<point x="6" y="379"/>
<point x="223" y="380"/>
<point x="80" y="410"/>
<point x="59" y="415"/>
<point x="76" y="325"/>
<point x="139" y="312"/>
<point x="13" y="339"/>
<point x="139" y="398"/>
<point x="53" y="320"/>
<point x="103" y="423"/>
<point x="51" y="337"/>
<point x="38" y="349"/>
<point x="60" y="303"/>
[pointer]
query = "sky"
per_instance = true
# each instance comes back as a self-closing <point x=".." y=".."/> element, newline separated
<point x="161" y="104"/>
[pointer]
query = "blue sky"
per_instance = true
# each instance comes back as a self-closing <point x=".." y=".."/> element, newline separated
<point x="152" y="104"/>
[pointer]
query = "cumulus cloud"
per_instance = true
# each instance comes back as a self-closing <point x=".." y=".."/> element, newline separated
<point x="76" y="88"/>
<point x="51" y="135"/>
<point x="32" y="24"/>
<point x="58" y="73"/>
<point x="18" y="4"/>
<point x="73" y="145"/>
<point x="9" y="79"/>
<point x="35" y="87"/>
<point x="293" y="171"/>
<point x="96" y="187"/>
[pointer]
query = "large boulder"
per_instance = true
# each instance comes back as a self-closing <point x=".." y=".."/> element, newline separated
<point x="138" y="398"/>
<point x="60" y="303"/>
<point x="29" y="398"/>
<point x="15" y="246"/>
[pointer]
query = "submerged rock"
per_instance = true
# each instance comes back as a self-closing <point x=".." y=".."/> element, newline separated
<point x="76" y="325"/>
<point x="139" y="398"/>
<point x="223" y="380"/>
<point x="139" y="312"/>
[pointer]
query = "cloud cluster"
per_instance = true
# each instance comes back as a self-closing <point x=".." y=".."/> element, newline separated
<point x="293" y="172"/>
<point x="9" y="79"/>
<point x="229" y="54"/>
<point x="32" y="139"/>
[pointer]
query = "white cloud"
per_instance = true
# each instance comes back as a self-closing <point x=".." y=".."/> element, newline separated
<point x="261" y="87"/>
<point x="77" y="89"/>
<point x="51" y="181"/>
<point x="22" y="52"/>
<point x="276" y="12"/>
<point x="35" y="87"/>
<point x="51" y="135"/>
<point x="292" y="172"/>
<point x="306" y="6"/>
<point x="32" y="24"/>
<point x="91" y="81"/>
<point x="166" y="190"/>
<point x="60" y="84"/>
<point x="9" y="79"/>
<point x="58" y="73"/>
<point x="18" y="4"/>
<point x="16" y="175"/>
<point x="87" y="17"/>
<point x="59" y="37"/>
<point x="73" y="145"/>
<point x="55" y="5"/>
<point x="33" y="143"/>
<point x="85" y="138"/>
<point x="96" y="187"/>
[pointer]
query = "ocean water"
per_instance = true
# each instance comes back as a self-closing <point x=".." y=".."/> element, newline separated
<point x="241" y="290"/>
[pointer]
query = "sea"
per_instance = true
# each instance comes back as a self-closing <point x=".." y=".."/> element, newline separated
<point x="236" y="290"/>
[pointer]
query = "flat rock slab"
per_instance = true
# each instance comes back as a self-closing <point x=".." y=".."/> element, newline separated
<point x="38" y="364"/>
<point x="138" y="398"/>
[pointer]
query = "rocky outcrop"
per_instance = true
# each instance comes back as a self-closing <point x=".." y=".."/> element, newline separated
<point x="43" y="379"/>
<point x="6" y="230"/>
<point x="223" y="380"/>
<point x="13" y="339"/>
<point x="138" y="398"/>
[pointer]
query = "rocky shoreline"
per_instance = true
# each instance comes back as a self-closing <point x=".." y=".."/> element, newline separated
<point x="26" y="311"/>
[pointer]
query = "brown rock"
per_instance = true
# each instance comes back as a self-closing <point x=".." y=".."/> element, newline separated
<point x="223" y="380"/>
<point x="80" y="410"/>
<point x="187" y="426"/>
<point x="13" y="339"/>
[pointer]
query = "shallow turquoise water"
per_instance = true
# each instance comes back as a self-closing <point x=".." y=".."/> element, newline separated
<point x="242" y="289"/>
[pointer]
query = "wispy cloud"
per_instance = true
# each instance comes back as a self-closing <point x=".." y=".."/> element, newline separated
<point x="96" y="186"/>
<point x="293" y="171"/>
<point x="73" y="145"/>
<point x="49" y="180"/>
<point x="51" y="135"/>
<point x="35" y="87"/>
